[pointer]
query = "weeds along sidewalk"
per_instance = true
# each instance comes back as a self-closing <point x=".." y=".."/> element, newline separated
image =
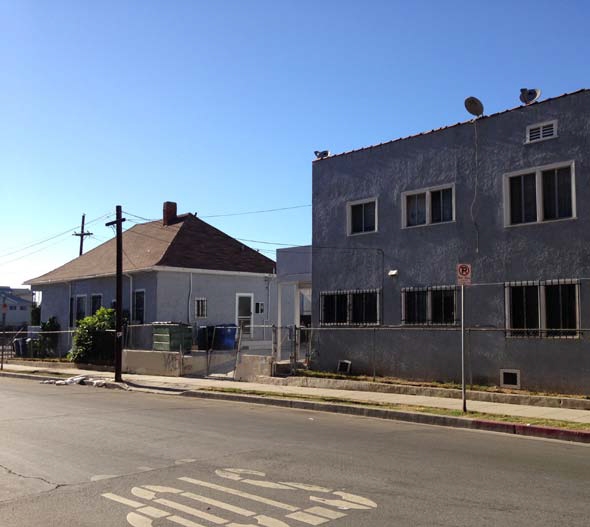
<point x="557" y="423"/>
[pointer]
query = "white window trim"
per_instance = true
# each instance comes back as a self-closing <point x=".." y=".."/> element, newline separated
<point x="427" y="191"/>
<point x="538" y="170"/>
<point x="349" y="206"/>
<point x="527" y="141"/>
<point x="542" y="308"/>
<point x="133" y="304"/>
<point x="197" y="300"/>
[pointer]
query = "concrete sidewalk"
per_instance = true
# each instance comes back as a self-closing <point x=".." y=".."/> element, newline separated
<point x="187" y="384"/>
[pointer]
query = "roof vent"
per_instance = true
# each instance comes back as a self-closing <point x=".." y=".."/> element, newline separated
<point x="169" y="215"/>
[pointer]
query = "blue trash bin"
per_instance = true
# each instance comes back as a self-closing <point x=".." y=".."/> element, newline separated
<point x="225" y="337"/>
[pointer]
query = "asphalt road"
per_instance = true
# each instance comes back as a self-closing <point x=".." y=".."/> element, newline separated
<point x="84" y="456"/>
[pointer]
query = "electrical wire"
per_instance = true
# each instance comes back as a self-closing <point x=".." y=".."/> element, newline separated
<point x="254" y="212"/>
<point x="52" y="237"/>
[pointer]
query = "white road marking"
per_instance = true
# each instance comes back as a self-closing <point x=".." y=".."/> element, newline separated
<point x="124" y="501"/>
<point x="183" y="461"/>
<point x="305" y="486"/>
<point x="100" y="477"/>
<point x="266" y="484"/>
<point x="264" y="521"/>
<point x="137" y="520"/>
<point x="193" y="512"/>
<point x="356" y="499"/>
<point x="267" y="521"/>
<point x="227" y="490"/>
<point x="218" y="504"/>
<point x="339" y="504"/>
<point x="153" y="512"/>
<point x="143" y="493"/>
<point x="185" y="523"/>
<point x="304" y="517"/>
<point x="326" y="513"/>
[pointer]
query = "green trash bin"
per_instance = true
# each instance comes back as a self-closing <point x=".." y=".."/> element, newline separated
<point x="169" y="336"/>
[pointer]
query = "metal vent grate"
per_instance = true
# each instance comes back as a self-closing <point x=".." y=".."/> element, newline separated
<point x="541" y="131"/>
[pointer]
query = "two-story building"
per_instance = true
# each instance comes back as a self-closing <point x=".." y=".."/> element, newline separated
<point x="509" y="194"/>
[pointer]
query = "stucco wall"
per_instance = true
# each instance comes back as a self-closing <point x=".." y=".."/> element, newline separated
<point x="427" y="255"/>
<point x="177" y="298"/>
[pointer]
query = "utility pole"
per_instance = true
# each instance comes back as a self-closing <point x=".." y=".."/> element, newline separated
<point x="119" y="323"/>
<point x="82" y="234"/>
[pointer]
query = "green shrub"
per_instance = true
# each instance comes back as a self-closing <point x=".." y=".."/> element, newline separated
<point x="48" y="342"/>
<point x="93" y="344"/>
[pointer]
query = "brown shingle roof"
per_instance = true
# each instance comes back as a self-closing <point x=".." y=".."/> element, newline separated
<point x="188" y="243"/>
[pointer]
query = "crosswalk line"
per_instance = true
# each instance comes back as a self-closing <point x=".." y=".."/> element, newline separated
<point x="124" y="501"/>
<point x="246" y="495"/>
<point x="304" y="517"/>
<point x="218" y="504"/>
<point x="193" y="512"/>
<point x="326" y="513"/>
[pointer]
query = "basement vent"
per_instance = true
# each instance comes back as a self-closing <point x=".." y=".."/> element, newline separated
<point x="510" y="379"/>
<point x="541" y="132"/>
<point x="343" y="366"/>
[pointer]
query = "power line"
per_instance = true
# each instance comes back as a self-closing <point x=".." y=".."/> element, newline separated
<point x="51" y="237"/>
<point x="254" y="212"/>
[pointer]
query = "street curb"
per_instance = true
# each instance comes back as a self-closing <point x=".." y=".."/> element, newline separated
<point x="32" y="377"/>
<point x="399" y="415"/>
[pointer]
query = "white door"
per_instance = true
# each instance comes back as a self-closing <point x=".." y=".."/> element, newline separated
<point x="244" y="303"/>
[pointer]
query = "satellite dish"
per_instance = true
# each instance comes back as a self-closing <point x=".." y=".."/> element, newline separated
<point x="529" y="96"/>
<point x="474" y="106"/>
<point x="321" y="154"/>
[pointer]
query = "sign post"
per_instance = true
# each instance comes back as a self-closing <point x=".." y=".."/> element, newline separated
<point x="463" y="279"/>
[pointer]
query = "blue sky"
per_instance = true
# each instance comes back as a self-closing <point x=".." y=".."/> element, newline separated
<point x="219" y="105"/>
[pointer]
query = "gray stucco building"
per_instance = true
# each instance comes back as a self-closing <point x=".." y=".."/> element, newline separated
<point x="507" y="193"/>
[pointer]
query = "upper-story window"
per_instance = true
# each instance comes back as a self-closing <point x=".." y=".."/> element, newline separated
<point x="427" y="206"/>
<point x="541" y="131"/>
<point x="362" y="216"/>
<point x="542" y="194"/>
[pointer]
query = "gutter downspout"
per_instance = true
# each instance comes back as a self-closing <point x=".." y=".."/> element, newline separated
<point x="188" y="301"/>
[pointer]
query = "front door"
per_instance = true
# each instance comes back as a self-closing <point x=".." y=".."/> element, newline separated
<point x="244" y="313"/>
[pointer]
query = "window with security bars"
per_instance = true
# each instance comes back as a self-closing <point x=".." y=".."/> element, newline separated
<point x="353" y="308"/>
<point x="541" y="131"/>
<point x="201" y="307"/>
<point x="362" y="217"/>
<point x="429" y="305"/>
<point x="543" y="309"/>
<point x="138" y="306"/>
<point x="544" y="194"/>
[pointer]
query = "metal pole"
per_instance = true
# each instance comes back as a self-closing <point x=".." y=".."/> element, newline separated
<point x="463" y="391"/>
<point x="374" y="372"/>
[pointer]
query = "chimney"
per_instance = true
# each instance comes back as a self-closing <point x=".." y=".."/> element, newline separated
<point x="169" y="215"/>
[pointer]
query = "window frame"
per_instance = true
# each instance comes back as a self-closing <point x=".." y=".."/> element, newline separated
<point x="134" y="306"/>
<point x="200" y="307"/>
<point x="542" y="331"/>
<point x="349" y="307"/>
<point x="527" y="139"/>
<point x="429" y="305"/>
<point x="354" y="203"/>
<point x="92" y="297"/>
<point x="428" y="199"/>
<point x="77" y="297"/>
<point x="538" y="171"/>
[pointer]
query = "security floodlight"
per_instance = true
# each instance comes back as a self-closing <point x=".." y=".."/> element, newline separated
<point x="393" y="272"/>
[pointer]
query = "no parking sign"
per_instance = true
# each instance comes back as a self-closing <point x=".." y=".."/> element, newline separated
<point x="463" y="274"/>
